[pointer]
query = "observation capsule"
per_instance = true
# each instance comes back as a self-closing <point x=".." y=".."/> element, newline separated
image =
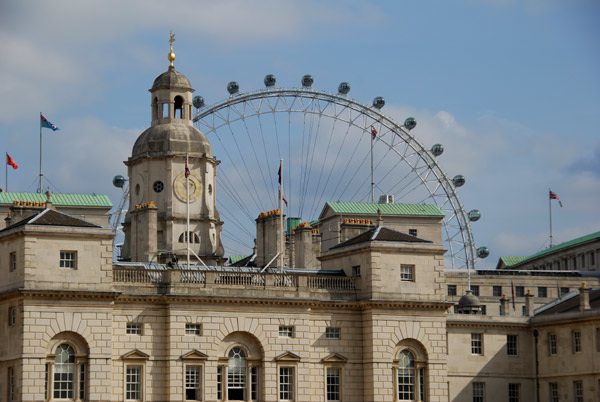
<point x="410" y="123"/>
<point x="307" y="80"/>
<point x="437" y="149"/>
<point x="198" y="101"/>
<point x="344" y="88"/>
<point x="119" y="181"/>
<point x="233" y="87"/>
<point x="483" y="252"/>
<point x="378" y="102"/>
<point x="458" y="180"/>
<point x="474" y="215"/>
<point x="270" y="80"/>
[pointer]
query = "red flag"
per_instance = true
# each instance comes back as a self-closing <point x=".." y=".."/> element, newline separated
<point x="11" y="162"/>
<point x="553" y="196"/>
<point x="187" y="170"/>
<point x="373" y="132"/>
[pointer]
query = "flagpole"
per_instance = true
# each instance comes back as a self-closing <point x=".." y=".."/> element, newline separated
<point x="187" y="198"/>
<point x="281" y="216"/>
<point x="6" y="174"/>
<point x="550" y="210"/>
<point x="40" y="190"/>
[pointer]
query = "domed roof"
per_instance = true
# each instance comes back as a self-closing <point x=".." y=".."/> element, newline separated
<point x="169" y="139"/>
<point x="171" y="79"/>
<point x="469" y="300"/>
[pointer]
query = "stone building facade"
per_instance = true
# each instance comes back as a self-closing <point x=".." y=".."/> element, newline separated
<point x="371" y="320"/>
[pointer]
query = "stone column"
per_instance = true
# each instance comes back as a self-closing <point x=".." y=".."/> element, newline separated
<point x="529" y="306"/>
<point x="584" y="297"/>
<point x="504" y="305"/>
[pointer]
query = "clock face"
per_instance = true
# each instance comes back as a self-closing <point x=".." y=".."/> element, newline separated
<point x="179" y="187"/>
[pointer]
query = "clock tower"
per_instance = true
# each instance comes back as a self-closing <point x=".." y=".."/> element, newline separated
<point x="156" y="224"/>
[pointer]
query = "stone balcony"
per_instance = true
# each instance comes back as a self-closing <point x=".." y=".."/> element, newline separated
<point x="230" y="283"/>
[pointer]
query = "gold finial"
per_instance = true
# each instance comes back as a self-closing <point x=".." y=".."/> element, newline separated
<point x="171" y="54"/>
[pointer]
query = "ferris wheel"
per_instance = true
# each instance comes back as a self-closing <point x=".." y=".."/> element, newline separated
<point x="333" y="149"/>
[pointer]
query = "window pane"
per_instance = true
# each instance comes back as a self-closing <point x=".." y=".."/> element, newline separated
<point x="333" y="384"/>
<point x="477" y="344"/>
<point x="286" y="383"/>
<point x="406" y="375"/>
<point x="478" y="392"/>
<point x="133" y="383"/>
<point x="193" y="379"/>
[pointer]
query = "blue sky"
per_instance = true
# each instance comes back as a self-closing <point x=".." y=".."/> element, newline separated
<point x="510" y="88"/>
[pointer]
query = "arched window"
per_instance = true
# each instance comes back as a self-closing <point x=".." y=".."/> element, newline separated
<point x="155" y="108"/>
<point x="66" y="372"/>
<point x="409" y="375"/>
<point x="236" y="374"/>
<point x="406" y="376"/>
<point x="178" y="107"/>
<point x="193" y="237"/>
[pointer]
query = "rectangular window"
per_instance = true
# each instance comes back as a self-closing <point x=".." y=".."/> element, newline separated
<point x="333" y="384"/>
<point x="478" y="392"/>
<point x="220" y="382"/>
<point x="12" y="316"/>
<point x="564" y="291"/>
<point x="578" y="390"/>
<point x="523" y="310"/>
<point x="193" y="383"/>
<point x="412" y="232"/>
<point x="483" y="309"/>
<point x="451" y="290"/>
<point x="514" y="392"/>
<point x="477" y="344"/>
<point x="356" y="270"/>
<point x="553" y="391"/>
<point x="12" y="262"/>
<point x="133" y="383"/>
<point x="134" y="328"/>
<point x="193" y="329"/>
<point x="576" y="341"/>
<point x="422" y="383"/>
<point x="286" y="383"/>
<point x="496" y="292"/>
<point x="82" y="375"/>
<point x="11" y="384"/>
<point x="475" y="290"/>
<point x="592" y="259"/>
<point x="574" y="262"/>
<point x="552" y="344"/>
<point x="519" y="291"/>
<point x="286" y="332"/>
<point x="68" y="259"/>
<point x="407" y="273"/>
<point x="332" y="333"/>
<point x="512" y="345"/>
<point x="542" y="291"/>
<point x="254" y="383"/>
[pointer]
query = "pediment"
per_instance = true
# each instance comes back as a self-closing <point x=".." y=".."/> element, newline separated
<point x="334" y="358"/>
<point x="135" y="354"/>
<point x="287" y="357"/>
<point x="194" y="355"/>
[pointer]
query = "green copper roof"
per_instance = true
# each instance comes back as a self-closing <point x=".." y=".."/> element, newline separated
<point x="561" y="246"/>
<point x="367" y="208"/>
<point x="236" y="258"/>
<point x="79" y="200"/>
<point x="508" y="261"/>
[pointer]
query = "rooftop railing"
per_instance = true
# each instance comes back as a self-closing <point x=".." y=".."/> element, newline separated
<point x="124" y="276"/>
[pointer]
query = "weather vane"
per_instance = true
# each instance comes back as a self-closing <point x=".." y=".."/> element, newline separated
<point x="171" y="54"/>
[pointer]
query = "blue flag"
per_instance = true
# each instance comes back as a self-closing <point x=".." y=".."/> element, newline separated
<point x="46" y="124"/>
